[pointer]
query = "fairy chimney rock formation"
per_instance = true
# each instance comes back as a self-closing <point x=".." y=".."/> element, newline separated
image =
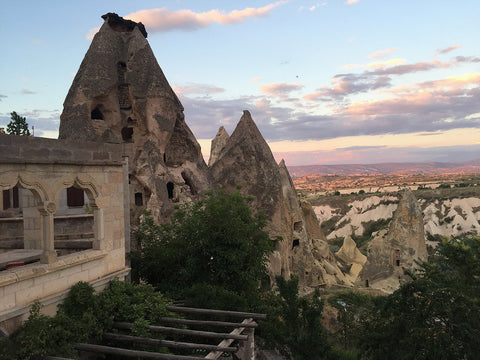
<point x="246" y="160"/>
<point x="121" y="95"/>
<point x="302" y="249"/>
<point x="218" y="143"/>
<point x="393" y="251"/>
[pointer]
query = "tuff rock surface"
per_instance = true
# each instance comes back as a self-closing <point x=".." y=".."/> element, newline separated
<point x="396" y="249"/>
<point x="218" y="143"/>
<point x="121" y="95"/>
<point x="246" y="160"/>
<point x="353" y="259"/>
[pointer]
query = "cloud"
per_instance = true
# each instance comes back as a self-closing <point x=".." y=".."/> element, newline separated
<point x="91" y="33"/>
<point x="350" y="2"/>
<point x="427" y="106"/>
<point x="280" y="90"/>
<point x="2" y="97"/>
<point x="447" y="49"/>
<point x="199" y="89"/>
<point x="344" y="85"/>
<point x="373" y="156"/>
<point x="257" y="79"/>
<point x="376" y="64"/>
<point x="381" y="53"/>
<point x="163" y="20"/>
<point x="435" y="106"/>
<point x="467" y="59"/>
<point x="410" y="68"/>
<point x="46" y="122"/>
<point x="473" y="116"/>
<point x="27" y="92"/>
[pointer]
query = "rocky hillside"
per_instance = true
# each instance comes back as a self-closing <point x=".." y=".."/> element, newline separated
<point x="446" y="212"/>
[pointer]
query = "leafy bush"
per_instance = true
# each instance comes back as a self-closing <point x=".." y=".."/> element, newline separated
<point x="440" y="306"/>
<point x="84" y="317"/>
<point x="294" y="325"/>
<point x="214" y="242"/>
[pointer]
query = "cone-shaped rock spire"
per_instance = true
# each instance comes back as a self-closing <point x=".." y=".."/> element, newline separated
<point x="121" y="95"/>
<point x="218" y="143"/>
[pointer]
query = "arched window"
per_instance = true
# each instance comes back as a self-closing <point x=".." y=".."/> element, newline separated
<point x="75" y="197"/>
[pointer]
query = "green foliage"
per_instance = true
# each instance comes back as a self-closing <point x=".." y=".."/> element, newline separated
<point x="32" y="340"/>
<point x="370" y="227"/>
<point x="355" y="309"/>
<point x="215" y="242"/>
<point x="84" y="317"/>
<point x="18" y="125"/>
<point x="124" y="301"/>
<point x="294" y="323"/>
<point x="436" y="315"/>
<point x="449" y="219"/>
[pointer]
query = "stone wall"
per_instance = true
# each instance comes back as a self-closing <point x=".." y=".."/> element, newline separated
<point x="46" y="167"/>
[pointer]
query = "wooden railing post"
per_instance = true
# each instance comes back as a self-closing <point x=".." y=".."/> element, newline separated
<point x="246" y="350"/>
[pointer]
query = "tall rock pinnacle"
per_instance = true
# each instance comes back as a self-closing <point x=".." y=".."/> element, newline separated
<point x="120" y="95"/>
<point x="246" y="160"/>
<point x="218" y="143"/>
<point x="392" y="252"/>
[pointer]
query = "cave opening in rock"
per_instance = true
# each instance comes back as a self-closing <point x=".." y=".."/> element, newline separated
<point x="127" y="134"/>
<point x="295" y="243"/>
<point x="96" y="114"/>
<point x="189" y="183"/>
<point x="170" y="188"/>
<point x="297" y="226"/>
<point x="138" y="199"/>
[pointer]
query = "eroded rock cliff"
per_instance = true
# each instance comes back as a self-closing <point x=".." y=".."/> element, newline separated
<point x="121" y="95"/>
<point x="393" y="251"/>
<point x="247" y="160"/>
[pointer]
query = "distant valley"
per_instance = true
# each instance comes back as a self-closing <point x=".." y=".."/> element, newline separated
<point x="423" y="168"/>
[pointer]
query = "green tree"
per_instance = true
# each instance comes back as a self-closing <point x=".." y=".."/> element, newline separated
<point x="294" y="324"/>
<point x="437" y="314"/>
<point x="354" y="310"/>
<point x="18" y="125"/>
<point x="215" y="242"/>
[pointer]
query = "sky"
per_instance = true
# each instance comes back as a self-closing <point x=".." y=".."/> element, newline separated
<point x="327" y="82"/>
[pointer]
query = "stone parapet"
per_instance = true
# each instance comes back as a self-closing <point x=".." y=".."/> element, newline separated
<point x="29" y="149"/>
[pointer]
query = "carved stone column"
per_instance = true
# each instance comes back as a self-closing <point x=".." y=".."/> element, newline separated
<point x="98" y="228"/>
<point x="49" y="254"/>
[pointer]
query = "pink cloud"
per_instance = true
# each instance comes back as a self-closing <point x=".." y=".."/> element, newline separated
<point x="447" y="49"/>
<point x="350" y="2"/>
<point x="199" y="89"/>
<point x="162" y="20"/>
<point x="411" y="68"/>
<point x="280" y="90"/>
<point x="412" y="99"/>
<point x="381" y="53"/>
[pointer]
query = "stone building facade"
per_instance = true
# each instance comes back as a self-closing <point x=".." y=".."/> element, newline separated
<point x="38" y="270"/>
